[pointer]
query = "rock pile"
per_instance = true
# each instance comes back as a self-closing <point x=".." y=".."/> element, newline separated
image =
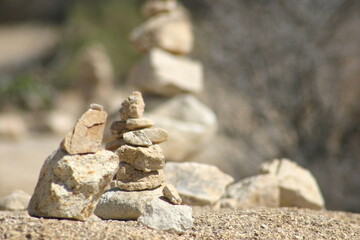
<point x="73" y="178"/>
<point x="282" y="183"/>
<point x="140" y="177"/>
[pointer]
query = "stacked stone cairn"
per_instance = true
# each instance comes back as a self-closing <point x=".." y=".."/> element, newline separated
<point x="139" y="184"/>
<point x="73" y="178"/>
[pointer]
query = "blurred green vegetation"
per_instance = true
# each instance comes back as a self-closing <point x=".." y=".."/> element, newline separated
<point x="108" y="22"/>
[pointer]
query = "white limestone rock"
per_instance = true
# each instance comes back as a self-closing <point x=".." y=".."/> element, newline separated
<point x="69" y="186"/>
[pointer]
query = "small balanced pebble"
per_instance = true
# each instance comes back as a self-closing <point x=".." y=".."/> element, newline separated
<point x="95" y="106"/>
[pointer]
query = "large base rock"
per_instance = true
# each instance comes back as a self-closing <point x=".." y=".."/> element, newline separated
<point x="123" y="205"/>
<point x="162" y="73"/>
<point x="69" y="186"/>
<point x="161" y="215"/>
<point x="197" y="184"/>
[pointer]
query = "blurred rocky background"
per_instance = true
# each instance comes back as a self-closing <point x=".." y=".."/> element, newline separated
<point x="283" y="78"/>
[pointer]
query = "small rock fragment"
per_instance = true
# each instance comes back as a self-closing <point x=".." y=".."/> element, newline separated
<point x="172" y="194"/>
<point x="137" y="138"/>
<point x="138" y="123"/>
<point x="124" y="205"/>
<point x="142" y="158"/>
<point x="130" y="179"/>
<point x="132" y="107"/>
<point x="95" y="106"/>
<point x="114" y="144"/>
<point x="156" y="135"/>
<point x="118" y="128"/>
<point x="16" y="201"/>
<point x="87" y="134"/>
<point x="161" y="215"/>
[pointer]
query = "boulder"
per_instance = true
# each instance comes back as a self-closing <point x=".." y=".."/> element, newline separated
<point x="156" y="135"/>
<point x="69" y="186"/>
<point x="90" y="126"/>
<point x="16" y="201"/>
<point x="145" y="159"/>
<point x="137" y="138"/>
<point x="165" y="74"/>
<point x="124" y="205"/>
<point x="161" y="215"/>
<point x="130" y="179"/>
<point x="197" y="184"/>
<point x="138" y="123"/>
<point x="298" y="187"/>
<point x="153" y="7"/>
<point x="191" y="126"/>
<point x="171" y="32"/>
<point x="257" y="191"/>
<point x="171" y="194"/>
<point x="132" y="107"/>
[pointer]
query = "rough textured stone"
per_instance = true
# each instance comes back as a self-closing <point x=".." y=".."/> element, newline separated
<point x="130" y="179"/>
<point x="156" y="135"/>
<point x="69" y="186"/>
<point x="137" y="138"/>
<point x="298" y="187"/>
<point x="118" y="128"/>
<point x="161" y="215"/>
<point x="162" y="73"/>
<point x="172" y="194"/>
<point x="15" y="201"/>
<point x="114" y="144"/>
<point x="142" y="158"/>
<point x="171" y="32"/>
<point x="138" y="123"/>
<point x="87" y="134"/>
<point x="257" y="191"/>
<point x="132" y="107"/>
<point x="197" y="184"/>
<point x="191" y="126"/>
<point x="124" y="205"/>
<point x="153" y="7"/>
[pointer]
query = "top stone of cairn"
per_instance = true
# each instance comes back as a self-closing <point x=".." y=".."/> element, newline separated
<point x="132" y="107"/>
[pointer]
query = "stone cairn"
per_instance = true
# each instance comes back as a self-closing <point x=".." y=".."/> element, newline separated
<point x="140" y="178"/>
<point x="74" y="177"/>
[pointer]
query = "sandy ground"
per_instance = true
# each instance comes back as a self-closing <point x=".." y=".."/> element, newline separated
<point x="225" y="224"/>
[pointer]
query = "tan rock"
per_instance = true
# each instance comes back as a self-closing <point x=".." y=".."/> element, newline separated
<point x="87" y="134"/>
<point x="137" y="138"/>
<point x="171" y="32"/>
<point x="138" y="123"/>
<point x="156" y="135"/>
<point x="130" y="179"/>
<point x="125" y="205"/>
<point x="16" y="201"/>
<point x="145" y="159"/>
<point x="69" y="186"/>
<point x="153" y="7"/>
<point x="114" y="144"/>
<point x="298" y="187"/>
<point x="172" y="194"/>
<point x="132" y="107"/>
<point x="118" y="128"/>
<point x="257" y="191"/>
<point x="162" y="73"/>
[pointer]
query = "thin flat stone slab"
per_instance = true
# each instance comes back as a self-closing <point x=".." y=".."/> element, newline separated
<point x="87" y="134"/>
<point x="145" y="159"/>
<point x="69" y="186"/>
<point x="114" y="144"/>
<point x="132" y="107"/>
<point x="137" y="138"/>
<point x="161" y="215"/>
<point x="156" y="135"/>
<point x="129" y="179"/>
<point x="138" y="123"/>
<point x="124" y="205"/>
<point x="172" y="194"/>
<point x="197" y="184"/>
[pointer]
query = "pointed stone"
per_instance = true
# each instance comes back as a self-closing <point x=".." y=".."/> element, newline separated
<point x="132" y="107"/>
<point x="172" y="194"/>
<point x="156" y="135"/>
<point x="130" y="179"/>
<point x="137" y="138"/>
<point x="138" y="123"/>
<point x="142" y="158"/>
<point x="87" y="134"/>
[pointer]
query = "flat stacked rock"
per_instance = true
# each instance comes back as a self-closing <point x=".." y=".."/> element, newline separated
<point x="140" y="177"/>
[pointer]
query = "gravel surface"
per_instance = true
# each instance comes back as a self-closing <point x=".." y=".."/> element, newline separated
<point x="262" y="223"/>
